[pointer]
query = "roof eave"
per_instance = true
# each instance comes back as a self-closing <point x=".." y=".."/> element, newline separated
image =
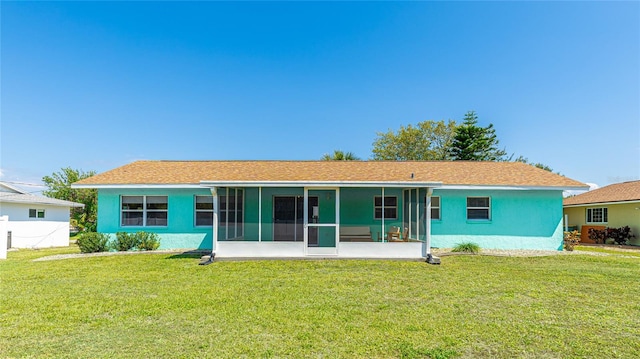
<point x="600" y="203"/>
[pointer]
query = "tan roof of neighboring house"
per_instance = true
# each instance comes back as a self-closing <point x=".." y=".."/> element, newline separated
<point x="449" y="173"/>
<point x="618" y="192"/>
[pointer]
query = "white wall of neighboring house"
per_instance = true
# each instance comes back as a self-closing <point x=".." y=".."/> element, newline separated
<point x="3" y="236"/>
<point x="26" y="232"/>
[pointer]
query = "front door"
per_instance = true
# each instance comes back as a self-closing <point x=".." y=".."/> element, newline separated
<point x="284" y="218"/>
<point x="321" y="229"/>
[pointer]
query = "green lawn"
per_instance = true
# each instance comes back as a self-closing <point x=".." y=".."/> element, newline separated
<point x="162" y="305"/>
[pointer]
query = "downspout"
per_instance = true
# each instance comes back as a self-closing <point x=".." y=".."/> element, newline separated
<point x="215" y="225"/>
<point x="430" y="258"/>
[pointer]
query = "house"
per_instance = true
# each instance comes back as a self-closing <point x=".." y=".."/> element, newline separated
<point x="34" y="221"/>
<point x="616" y="205"/>
<point x="333" y="208"/>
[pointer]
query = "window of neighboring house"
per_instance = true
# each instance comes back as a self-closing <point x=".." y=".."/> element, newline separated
<point x="478" y="208"/>
<point x="146" y="211"/>
<point x="390" y="207"/>
<point x="204" y="211"/>
<point x="36" y="213"/>
<point x="597" y="215"/>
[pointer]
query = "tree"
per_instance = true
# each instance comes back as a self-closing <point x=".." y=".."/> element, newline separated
<point x="427" y="141"/>
<point x="537" y="164"/>
<point x="59" y="184"/>
<point x="339" y="155"/>
<point x="474" y="143"/>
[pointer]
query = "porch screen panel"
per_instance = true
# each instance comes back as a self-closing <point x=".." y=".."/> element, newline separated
<point x="406" y="208"/>
<point x="240" y="213"/>
<point x="413" y="233"/>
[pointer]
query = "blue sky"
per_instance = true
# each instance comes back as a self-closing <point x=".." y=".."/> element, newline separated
<point x="96" y="85"/>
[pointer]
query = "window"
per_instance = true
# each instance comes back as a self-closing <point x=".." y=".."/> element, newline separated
<point x="478" y="208"/>
<point x="435" y="207"/>
<point x="597" y="215"/>
<point x="36" y="213"/>
<point x="146" y="211"/>
<point x="204" y="211"/>
<point x="390" y="207"/>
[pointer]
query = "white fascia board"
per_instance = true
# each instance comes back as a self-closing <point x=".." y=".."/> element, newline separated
<point x="597" y="204"/>
<point x="135" y="186"/>
<point x="318" y="184"/>
<point x="511" y="188"/>
<point x="42" y="202"/>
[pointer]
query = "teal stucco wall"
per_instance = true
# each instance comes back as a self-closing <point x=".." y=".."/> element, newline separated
<point x="520" y="219"/>
<point x="181" y="231"/>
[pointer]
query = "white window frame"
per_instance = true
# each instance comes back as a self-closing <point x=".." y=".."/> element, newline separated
<point x="487" y="208"/>
<point x="384" y="206"/>
<point x="197" y="210"/>
<point x="604" y="215"/>
<point x="434" y="208"/>
<point x="37" y="213"/>
<point x="145" y="211"/>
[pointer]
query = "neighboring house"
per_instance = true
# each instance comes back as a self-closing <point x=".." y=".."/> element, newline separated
<point x="613" y="206"/>
<point x="34" y="221"/>
<point x="341" y="208"/>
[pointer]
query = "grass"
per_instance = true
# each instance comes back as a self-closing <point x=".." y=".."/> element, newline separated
<point x="166" y="306"/>
<point x="609" y="250"/>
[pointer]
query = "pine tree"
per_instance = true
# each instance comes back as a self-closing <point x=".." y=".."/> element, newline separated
<point x="474" y="143"/>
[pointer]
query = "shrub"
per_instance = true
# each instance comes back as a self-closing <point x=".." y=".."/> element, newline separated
<point x="571" y="239"/>
<point x="125" y="241"/>
<point x="147" y="241"/>
<point x="618" y="235"/>
<point x="597" y="235"/>
<point x="91" y="242"/>
<point x="467" y="247"/>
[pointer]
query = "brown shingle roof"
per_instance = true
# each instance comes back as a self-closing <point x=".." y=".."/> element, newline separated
<point x="618" y="192"/>
<point x="449" y="173"/>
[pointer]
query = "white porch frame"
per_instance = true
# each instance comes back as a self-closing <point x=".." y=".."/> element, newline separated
<point x="331" y="251"/>
<point x="261" y="249"/>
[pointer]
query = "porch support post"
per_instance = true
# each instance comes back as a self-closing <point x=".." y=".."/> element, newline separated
<point x="305" y="221"/>
<point x="418" y="213"/>
<point x="259" y="214"/>
<point x="337" y="217"/>
<point x="382" y="218"/>
<point x="216" y="224"/>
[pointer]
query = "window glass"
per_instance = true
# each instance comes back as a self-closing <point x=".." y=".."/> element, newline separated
<point x="204" y="211"/>
<point x="478" y="208"/>
<point x="144" y="210"/>
<point x="435" y="208"/>
<point x="156" y="218"/>
<point x="597" y="215"/>
<point x="132" y="218"/>
<point x="390" y="207"/>
<point x="157" y="202"/>
<point x="132" y="202"/>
